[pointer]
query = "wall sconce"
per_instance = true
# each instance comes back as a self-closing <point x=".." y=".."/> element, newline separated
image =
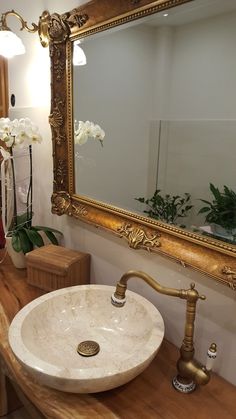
<point x="11" y="44"/>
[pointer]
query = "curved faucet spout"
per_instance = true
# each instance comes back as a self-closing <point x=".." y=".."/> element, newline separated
<point x="189" y="371"/>
<point x="122" y="285"/>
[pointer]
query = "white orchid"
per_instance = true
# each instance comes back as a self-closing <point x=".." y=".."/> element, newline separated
<point x="99" y="134"/>
<point x="85" y="130"/>
<point x="5" y="154"/>
<point x="4" y="125"/>
<point x="19" y="132"/>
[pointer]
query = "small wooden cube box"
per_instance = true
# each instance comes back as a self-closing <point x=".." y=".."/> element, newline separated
<point x="52" y="267"/>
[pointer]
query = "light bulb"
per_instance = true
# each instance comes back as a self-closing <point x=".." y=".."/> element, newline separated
<point x="79" y="57"/>
<point x="10" y="44"/>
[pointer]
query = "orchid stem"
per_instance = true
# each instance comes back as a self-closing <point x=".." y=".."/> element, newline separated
<point x="30" y="192"/>
<point x="14" y="190"/>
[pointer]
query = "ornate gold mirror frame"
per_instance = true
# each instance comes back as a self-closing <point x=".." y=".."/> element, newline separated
<point x="209" y="256"/>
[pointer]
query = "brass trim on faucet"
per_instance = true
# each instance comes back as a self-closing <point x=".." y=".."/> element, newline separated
<point x="189" y="371"/>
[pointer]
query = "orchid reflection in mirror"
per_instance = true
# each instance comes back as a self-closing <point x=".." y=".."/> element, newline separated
<point x="189" y="372"/>
<point x="85" y="130"/>
<point x="18" y="137"/>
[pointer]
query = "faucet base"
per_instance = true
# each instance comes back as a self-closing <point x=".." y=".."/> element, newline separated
<point x="181" y="387"/>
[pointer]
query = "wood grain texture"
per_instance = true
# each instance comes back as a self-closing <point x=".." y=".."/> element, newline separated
<point x="3" y="393"/>
<point x="3" y="87"/>
<point x="149" y="396"/>
<point x="52" y="267"/>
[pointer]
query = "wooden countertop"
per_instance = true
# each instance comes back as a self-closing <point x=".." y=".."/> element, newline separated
<point x="149" y="396"/>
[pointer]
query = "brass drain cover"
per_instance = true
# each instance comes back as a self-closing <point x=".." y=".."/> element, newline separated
<point x="88" y="348"/>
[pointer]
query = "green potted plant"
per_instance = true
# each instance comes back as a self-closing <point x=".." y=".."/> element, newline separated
<point x="220" y="213"/>
<point x="167" y="208"/>
<point x="21" y="236"/>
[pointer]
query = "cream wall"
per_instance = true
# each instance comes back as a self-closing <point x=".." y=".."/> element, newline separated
<point x="200" y="103"/>
<point x="110" y="255"/>
<point x="116" y="83"/>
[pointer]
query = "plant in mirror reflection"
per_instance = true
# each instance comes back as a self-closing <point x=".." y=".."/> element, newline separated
<point x="222" y="209"/>
<point x="16" y="135"/>
<point x="167" y="208"/>
<point x="85" y="130"/>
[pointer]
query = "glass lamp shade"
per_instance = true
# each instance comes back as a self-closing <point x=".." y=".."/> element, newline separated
<point x="79" y="57"/>
<point x="10" y="44"/>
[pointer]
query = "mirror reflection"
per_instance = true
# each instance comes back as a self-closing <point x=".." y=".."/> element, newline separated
<point x="154" y="105"/>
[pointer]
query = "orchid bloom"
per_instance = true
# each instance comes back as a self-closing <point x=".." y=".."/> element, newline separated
<point x="19" y="132"/>
<point x="5" y="154"/>
<point x="85" y="130"/>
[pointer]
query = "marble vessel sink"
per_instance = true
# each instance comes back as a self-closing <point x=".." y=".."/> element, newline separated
<point x="45" y="334"/>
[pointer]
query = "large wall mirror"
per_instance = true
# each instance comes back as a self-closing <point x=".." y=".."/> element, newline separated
<point x="145" y="136"/>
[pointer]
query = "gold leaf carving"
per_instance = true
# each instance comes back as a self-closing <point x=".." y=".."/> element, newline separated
<point x="58" y="29"/>
<point x="61" y="173"/>
<point x="59" y="138"/>
<point x="60" y="25"/>
<point x="58" y="61"/>
<point x="59" y="69"/>
<point x="231" y="274"/>
<point x="56" y="118"/>
<point x="62" y="204"/>
<point x="79" y="210"/>
<point x="137" y="238"/>
<point x="75" y="19"/>
<point x="195" y="251"/>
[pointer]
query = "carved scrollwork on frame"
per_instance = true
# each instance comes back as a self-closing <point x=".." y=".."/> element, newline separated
<point x="58" y="29"/>
<point x="231" y="275"/>
<point x="74" y="19"/>
<point x="60" y="175"/>
<point x="58" y="64"/>
<point x="56" y="120"/>
<point x="62" y="204"/>
<point x="206" y="255"/>
<point x="60" y="25"/>
<point x="137" y="238"/>
<point x="79" y="210"/>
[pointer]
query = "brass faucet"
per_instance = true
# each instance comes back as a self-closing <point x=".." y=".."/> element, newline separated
<point x="190" y="372"/>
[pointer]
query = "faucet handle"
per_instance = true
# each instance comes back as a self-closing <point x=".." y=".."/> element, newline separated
<point x="211" y="356"/>
<point x="192" y="287"/>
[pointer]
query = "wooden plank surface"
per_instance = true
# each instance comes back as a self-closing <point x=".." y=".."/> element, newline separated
<point x="149" y="396"/>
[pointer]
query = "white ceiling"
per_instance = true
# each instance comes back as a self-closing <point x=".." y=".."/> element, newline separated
<point x="190" y="12"/>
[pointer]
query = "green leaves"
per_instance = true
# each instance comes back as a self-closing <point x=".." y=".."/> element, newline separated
<point x="167" y="208"/>
<point x="34" y="237"/>
<point x="16" y="244"/>
<point x="26" y="244"/>
<point x="51" y="237"/>
<point x="222" y="209"/>
<point x="46" y="229"/>
<point x="26" y="238"/>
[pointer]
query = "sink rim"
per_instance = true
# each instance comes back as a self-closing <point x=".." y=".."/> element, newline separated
<point x="34" y="363"/>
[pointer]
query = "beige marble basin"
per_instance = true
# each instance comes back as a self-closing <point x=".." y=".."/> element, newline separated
<point x="45" y="334"/>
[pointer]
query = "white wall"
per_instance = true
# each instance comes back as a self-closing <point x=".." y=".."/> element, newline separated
<point x="204" y="87"/>
<point x="191" y="153"/>
<point x="117" y="91"/>
<point x="110" y="255"/>
<point x="200" y="104"/>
